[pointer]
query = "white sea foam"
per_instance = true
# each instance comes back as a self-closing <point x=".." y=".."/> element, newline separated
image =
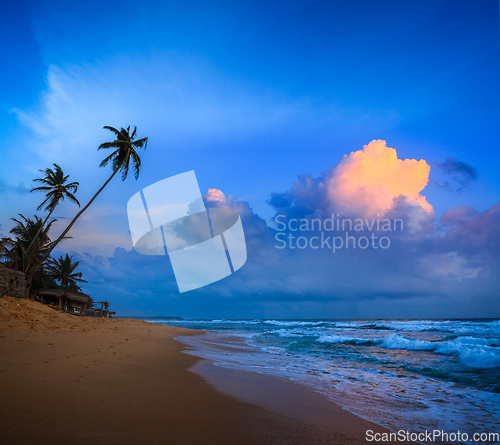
<point x="396" y="341"/>
<point x="345" y="339"/>
<point x="471" y="351"/>
<point x="403" y="378"/>
<point x="228" y="321"/>
<point x="293" y="323"/>
<point x="286" y="333"/>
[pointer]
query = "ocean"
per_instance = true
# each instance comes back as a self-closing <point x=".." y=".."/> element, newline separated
<point x="412" y="375"/>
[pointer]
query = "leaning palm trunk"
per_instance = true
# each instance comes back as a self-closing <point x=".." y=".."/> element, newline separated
<point x="39" y="262"/>
<point x="120" y="160"/>
<point x="28" y="250"/>
<point x="31" y="257"/>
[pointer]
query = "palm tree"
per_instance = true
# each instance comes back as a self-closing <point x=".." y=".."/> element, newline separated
<point x="56" y="187"/>
<point x="63" y="270"/>
<point x="106" y="305"/>
<point x="28" y="230"/>
<point x="28" y="233"/>
<point x="14" y="251"/>
<point x="125" y="153"/>
<point x="8" y="253"/>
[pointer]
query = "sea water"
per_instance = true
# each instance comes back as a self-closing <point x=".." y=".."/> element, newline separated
<point x="412" y="375"/>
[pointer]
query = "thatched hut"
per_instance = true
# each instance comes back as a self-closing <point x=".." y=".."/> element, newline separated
<point x="73" y="302"/>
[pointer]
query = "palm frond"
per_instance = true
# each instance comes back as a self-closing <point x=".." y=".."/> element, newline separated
<point x="140" y="143"/>
<point x="136" y="164"/>
<point x="108" y="159"/>
<point x="114" y="130"/>
<point x="125" y="170"/>
<point x="114" y="144"/>
<point x="72" y="198"/>
<point x="41" y="189"/>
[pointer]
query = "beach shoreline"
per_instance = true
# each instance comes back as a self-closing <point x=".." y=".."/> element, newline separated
<point x="73" y="380"/>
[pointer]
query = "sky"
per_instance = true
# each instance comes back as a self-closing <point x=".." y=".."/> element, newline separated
<point x="298" y="109"/>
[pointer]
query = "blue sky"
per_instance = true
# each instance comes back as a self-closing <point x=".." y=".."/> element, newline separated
<point x="250" y="95"/>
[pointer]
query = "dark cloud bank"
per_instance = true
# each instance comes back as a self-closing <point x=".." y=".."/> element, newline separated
<point x="446" y="268"/>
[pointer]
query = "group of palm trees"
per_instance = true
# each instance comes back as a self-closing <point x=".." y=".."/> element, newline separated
<point x="30" y="247"/>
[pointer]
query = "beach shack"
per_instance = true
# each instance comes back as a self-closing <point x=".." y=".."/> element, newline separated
<point x="102" y="312"/>
<point x="72" y="302"/>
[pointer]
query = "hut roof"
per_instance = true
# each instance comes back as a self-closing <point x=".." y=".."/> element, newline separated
<point x="77" y="297"/>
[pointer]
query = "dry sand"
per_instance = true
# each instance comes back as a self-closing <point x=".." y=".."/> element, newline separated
<point x="72" y="380"/>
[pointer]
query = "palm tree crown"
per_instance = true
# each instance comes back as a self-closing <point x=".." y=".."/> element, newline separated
<point x="29" y="233"/>
<point x="56" y="187"/>
<point x="28" y="230"/>
<point x="125" y="151"/>
<point x="63" y="270"/>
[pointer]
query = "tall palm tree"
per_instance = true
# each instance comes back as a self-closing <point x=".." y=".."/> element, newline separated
<point x="125" y="153"/>
<point x="63" y="270"/>
<point x="56" y="186"/>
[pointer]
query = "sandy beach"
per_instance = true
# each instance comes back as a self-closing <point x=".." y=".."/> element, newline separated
<point x="72" y="380"/>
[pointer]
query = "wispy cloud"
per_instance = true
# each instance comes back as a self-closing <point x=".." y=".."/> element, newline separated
<point x="7" y="188"/>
